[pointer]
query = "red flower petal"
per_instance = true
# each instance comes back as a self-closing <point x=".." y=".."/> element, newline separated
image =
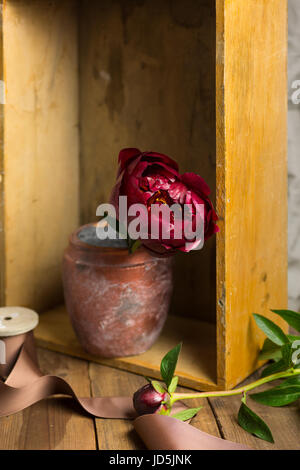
<point x="163" y="158"/>
<point x="178" y="192"/>
<point x="127" y="154"/>
<point x="196" y="183"/>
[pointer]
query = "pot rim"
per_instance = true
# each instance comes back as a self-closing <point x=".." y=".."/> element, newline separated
<point x="112" y="254"/>
<point x="75" y="241"/>
<point x="140" y="256"/>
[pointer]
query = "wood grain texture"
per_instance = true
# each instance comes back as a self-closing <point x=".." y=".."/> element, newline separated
<point x="119" y="434"/>
<point x="55" y="423"/>
<point x="115" y="434"/>
<point x="154" y="91"/>
<point x="284" y="422"/>
<point x="196" y="366"/>
<point x="40" y="148"/>
<point x="251" y="176"/>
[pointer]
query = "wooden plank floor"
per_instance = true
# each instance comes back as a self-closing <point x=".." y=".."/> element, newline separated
<point x="57" y="423"/>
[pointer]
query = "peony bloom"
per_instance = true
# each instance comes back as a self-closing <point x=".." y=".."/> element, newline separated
<point x="147" y="400"/>
<point x="151" y="178"/>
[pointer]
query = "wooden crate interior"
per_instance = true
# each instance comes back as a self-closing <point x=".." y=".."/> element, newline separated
<point x="147" y="80"/>
<point x="85" y="78"/>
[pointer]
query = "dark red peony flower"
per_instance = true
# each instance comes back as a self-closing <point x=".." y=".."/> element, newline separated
<point x="151" y="178"/>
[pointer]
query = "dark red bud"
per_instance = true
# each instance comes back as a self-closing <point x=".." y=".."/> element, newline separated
<point x="147" y="400"/>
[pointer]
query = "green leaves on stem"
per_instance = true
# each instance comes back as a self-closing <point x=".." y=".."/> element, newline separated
<point x="278" y="347"/>
<point x="281" y="395"/>
<point x="167" y="370"/>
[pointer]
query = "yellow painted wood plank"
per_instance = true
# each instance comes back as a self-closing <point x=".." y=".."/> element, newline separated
<point x="2" y="225"/>
<point x="252" y="199"/>
<point x="40" y="148"/>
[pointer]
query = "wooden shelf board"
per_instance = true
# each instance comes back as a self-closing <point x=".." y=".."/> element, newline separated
<point x="196" y="366"/>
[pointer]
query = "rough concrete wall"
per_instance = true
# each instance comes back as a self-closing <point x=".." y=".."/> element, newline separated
<point x="294" y="156"/>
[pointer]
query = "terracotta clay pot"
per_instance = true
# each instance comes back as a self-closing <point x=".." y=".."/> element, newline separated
<point x="117" y="302"/>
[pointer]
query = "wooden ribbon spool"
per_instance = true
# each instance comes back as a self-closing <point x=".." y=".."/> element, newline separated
<point x="17" y="320"/>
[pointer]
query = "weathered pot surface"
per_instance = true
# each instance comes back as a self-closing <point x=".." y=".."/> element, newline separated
<point x="117" y="302"/>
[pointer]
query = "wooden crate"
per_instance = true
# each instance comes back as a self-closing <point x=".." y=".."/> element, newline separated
<point x="203" y="81"/>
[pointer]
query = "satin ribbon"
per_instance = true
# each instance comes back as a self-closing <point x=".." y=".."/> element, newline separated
<point x="23" y="384"/>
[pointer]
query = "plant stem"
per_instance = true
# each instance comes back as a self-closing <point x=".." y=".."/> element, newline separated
<point x="279" y="375"/>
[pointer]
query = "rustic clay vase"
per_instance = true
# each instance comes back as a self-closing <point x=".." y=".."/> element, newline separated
<point x="118" y="302"/>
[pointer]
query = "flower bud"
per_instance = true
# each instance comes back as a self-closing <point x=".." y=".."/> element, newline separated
<point x="147" y="400"/>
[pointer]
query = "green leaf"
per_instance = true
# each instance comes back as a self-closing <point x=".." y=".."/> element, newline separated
<point x="186" y="414"/>
<point x="148" y="379"/>
<point x="253" y="424"/>
<point x="133" y="245"/>
<point x="287" y="352"/>
<point x="273" y="331"/>
<point x="293" y="338"/>
<point x="275" y="352"/>
<point x="173" y="385"/>
<point x="280" y="396"/>
<point x="273" y="368"/>
<point x="168" y="364"/>
<point x="270" y="350"/>
<point x="290" y="381"/>
<point x="158" y="386"/>
<point x="292" y="318"/>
